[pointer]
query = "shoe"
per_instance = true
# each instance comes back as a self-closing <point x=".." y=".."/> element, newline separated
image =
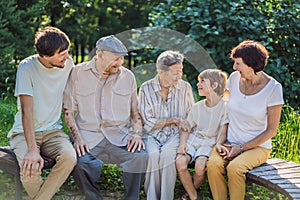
<point x="185" y="196"/>
<point x="199" y="196"/>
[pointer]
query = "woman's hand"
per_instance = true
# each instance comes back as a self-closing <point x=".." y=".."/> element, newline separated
<point x="234" y="151"/>
<point x="223" y="150"/>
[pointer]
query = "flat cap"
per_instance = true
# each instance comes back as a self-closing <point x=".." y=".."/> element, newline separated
<point x="112" y="44"/>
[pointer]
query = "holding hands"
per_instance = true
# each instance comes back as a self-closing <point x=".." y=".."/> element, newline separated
<point x="185" y="126"/>
<point x="228" y="151"/>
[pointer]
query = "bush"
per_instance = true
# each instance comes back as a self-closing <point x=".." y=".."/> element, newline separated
<point x="220" y="25"/>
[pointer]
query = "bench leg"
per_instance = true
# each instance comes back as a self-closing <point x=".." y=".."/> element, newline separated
<point x="18" y="187"/>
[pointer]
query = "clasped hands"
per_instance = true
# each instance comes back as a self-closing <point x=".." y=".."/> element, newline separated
<point x="228" y="151"/>
<point x="183" y="124"/>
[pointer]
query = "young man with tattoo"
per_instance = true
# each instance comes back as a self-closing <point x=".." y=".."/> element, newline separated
<point x="101" y="112"/>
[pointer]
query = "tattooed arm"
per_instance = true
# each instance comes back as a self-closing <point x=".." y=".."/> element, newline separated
<point x="79" y="144"/>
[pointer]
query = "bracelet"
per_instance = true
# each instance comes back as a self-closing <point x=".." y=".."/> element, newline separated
<point x="241" y="148"/>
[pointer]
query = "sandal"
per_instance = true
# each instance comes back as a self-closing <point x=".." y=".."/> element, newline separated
<point x="185" y="196"/>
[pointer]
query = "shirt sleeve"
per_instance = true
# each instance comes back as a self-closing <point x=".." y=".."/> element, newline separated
<point x="190" y="119"/>
<point x="276" y="95"/>
<point x="232" y="76"/>
<point x="69" y="98"/>
<point x="190" y="98"/>
<point x="24" y="82"/>
<point x="225" y="119"/>
<point x="146" y="109"/>
<point x="134" y="99"/>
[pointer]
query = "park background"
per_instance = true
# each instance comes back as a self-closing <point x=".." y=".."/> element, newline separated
<point x="217" y="25"/>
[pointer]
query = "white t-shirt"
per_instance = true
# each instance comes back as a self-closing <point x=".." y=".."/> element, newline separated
<point x="247" y="114"/>
<point x="206" y="122"/>
<point x="46" y="86"/>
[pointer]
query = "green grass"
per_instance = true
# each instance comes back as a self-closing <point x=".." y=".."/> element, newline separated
<point x="286" y="146"/>
<point x="7" y="112"/>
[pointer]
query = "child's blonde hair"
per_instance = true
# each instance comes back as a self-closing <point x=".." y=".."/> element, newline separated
<point x="215" y="76"/>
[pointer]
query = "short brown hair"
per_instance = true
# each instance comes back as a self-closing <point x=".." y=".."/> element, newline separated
<point x="215" y="76"/>
<point x="50" y="40"/>
<point x="253" y="53"/>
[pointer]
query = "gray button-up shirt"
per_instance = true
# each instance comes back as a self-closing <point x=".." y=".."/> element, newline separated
<point x="103" y="106"/>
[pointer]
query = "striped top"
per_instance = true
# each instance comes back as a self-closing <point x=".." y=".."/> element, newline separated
<point x="153" y="107"/>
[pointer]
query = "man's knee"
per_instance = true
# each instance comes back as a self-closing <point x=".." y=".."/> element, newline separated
<point x="68" y="158"/>
<point x="88" y="163"/>
<point x="32" y="184"/>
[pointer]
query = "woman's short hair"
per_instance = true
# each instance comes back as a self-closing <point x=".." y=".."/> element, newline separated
<point x="253" y="53"/>
<point x="215" y="76"/>
<point x="50" y="40"/>
<point x="167" y="59"/>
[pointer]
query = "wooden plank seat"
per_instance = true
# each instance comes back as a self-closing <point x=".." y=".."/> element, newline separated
<point x="276" y="174"/>
<point x="9" y="164"/>
<point x="279" y="175"/>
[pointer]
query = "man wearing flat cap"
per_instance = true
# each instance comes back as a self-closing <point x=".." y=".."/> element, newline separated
<point x="101" y="113"/>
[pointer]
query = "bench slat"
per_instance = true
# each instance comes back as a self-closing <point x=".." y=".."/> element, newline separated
<point x="294" y="171"/>
<point x="279" y="175"/>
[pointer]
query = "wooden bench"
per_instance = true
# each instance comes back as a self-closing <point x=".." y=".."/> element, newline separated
<point x="278" y="175"/>
<point x="9" y="164"/>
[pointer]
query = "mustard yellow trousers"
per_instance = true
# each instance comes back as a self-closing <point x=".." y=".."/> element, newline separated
<point x="236" y="170"/>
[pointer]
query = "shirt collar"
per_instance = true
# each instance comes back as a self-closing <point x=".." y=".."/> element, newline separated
<point x="91" y="65"/>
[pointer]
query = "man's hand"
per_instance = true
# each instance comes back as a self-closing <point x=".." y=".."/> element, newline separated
<point x="135" y="142"/>
<point x="80" y="146"/>
<point x="182" y="149"/>
<point x="32" y="163"/>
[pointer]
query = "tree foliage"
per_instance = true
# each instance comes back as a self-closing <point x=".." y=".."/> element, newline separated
<point x="220" y="25"/>
<point x="18" y="23"/>
<point x="217" y="25"/>
<point x="86" y="21"/>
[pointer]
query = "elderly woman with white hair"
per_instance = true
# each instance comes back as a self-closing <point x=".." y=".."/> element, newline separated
<point x="164" y="103"/>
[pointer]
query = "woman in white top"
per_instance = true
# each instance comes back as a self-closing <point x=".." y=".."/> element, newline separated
<point x="254" y="110"/>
